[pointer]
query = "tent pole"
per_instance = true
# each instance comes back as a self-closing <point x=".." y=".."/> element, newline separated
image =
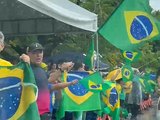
<point x="97" y="53"/>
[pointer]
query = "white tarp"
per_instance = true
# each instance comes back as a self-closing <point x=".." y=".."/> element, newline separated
<point x="65" y="11"/>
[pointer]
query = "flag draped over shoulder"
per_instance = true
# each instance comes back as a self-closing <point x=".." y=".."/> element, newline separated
<point x="18" y="93"/>
<point x="130" y="25"/>
<point x="90" y="56"/>
<point x="77" y="97"/>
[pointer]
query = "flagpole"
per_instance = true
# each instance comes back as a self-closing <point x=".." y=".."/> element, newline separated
<point x="97" y="53"/>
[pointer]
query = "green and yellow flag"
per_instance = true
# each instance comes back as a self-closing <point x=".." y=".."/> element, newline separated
<point x="149" y="84"/>
<point x="130" y="25"/>
<point x="127" y="73"/>
<point x="93" y="82"/>
<point x="18" y="93"/>
<point x="131" y="56"/>
<point x="89" y="59"/>
<point x="76" y="97"/>
<point x="111" y="100"/>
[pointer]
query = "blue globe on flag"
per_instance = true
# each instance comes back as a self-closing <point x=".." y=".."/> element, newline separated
<point x="141" y="27"/>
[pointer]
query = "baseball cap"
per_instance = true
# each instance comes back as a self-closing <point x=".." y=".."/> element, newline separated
<point x="34" y="46"/>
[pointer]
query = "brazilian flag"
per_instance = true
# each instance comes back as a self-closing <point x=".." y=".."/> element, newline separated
<point x="18" y="93"/>
<point x="146" y="84"/>
<point x="131" y="25"/>
<point x="149" y="84"/>
<point x="127" y="73"/>
<point x="93" y="82"/>
<point x="111" y="100"/>
<point x="131" y="56"/>
<point x="76" y="97"/>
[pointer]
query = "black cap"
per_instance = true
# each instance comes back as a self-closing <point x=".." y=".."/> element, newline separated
<point x="34" y="46"/>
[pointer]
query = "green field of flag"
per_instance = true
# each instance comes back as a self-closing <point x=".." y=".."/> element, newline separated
<point x="130" y="25"/>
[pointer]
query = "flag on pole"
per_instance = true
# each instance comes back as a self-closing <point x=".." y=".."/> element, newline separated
<point x="18" y="93"/>
<point x="130" y="25"/>
<point x="90" y="56"/>
<point x="127" y="73"/>
<point x="131" y="56"/>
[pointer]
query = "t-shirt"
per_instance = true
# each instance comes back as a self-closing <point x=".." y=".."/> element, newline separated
<point x="4" y="63"/>
<point x="43" y="100"/>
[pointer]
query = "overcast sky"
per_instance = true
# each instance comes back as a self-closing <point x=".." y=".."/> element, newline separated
<point x="155" y="4"/>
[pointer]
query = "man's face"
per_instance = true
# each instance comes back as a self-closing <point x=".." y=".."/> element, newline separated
<point x="66" y="66"/>
<point x="36" y="56"/>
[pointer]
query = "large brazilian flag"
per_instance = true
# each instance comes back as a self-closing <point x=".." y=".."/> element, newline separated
<point x="130" y="25"/>
<point x="76" y="97"/>
<point x="18" y="93"/>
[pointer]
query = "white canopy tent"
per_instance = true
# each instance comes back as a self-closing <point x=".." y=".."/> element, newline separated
<point x="65" y="11"/>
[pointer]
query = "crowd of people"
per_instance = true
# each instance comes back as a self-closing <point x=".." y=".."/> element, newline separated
<point x="48" y="80"/>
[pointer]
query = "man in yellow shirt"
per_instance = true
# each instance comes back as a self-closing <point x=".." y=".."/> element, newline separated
<point x="3" y="62"/>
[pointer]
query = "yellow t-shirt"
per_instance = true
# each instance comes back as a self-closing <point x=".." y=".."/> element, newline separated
<point x="4" y="63"/>
<point x="44" y="66"/>
<point x="128" y="87"/>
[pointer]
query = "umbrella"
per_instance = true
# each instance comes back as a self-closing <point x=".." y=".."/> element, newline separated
<point x="112" y="73"/>
<point x="74" y="57"/>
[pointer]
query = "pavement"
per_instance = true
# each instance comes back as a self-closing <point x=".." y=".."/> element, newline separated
<point x="150" y="113"/>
